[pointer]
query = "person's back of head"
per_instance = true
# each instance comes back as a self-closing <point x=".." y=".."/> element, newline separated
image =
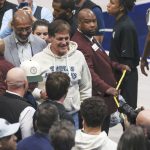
<point x="45" y="115"/>
<point x="62" y="135"/>
<point x="93" y="111"/>
<point x="16" y="80"/>
<point x="132" y="139"/>
<point x="143" y="120"/>
<point x="57" y="85"/>
<point x="127" y="5"/>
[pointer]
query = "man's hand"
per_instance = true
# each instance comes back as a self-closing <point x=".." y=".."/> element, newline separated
<point x="126" y="67"/>
<point x="29" y="11"/>
<point x="144" y="64"/>
<point x="43" y="95"/>
<point x="112" y="91"/>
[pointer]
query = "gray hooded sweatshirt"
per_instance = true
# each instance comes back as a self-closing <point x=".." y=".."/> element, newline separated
<point x="84" y="141"/>
<point x="74" y="64"/>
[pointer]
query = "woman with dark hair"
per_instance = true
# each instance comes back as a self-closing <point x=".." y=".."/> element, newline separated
<point x="132" y="139"/>
<point x="124" y="47"/>
<point x="40" y="28"/>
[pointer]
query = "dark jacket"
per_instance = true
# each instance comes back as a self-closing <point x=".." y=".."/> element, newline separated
<point x="101" y="69"/>
<point x="38" y="141"/>
<point x="11" y="106"/>
<point x="5" y="66"/>
<point x="62" y="111"/>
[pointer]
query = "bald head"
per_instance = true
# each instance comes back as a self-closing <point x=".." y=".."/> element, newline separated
<point x="87" y="22"/>
<point x="85" y="14"/>
<point x="22" y="25"/>
<point x="143" y="118"/>
<point x="21" y="16"/>
<point x="16" y="77"/>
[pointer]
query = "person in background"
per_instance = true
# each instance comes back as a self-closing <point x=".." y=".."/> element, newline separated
<point x="62" y="135"/>
<point x="21" y="45"/>
<point x="93" y="111"/>
<point x="33" y="73"/>
<point x="124" y="47"/>
<point x="81" y="4"/>
<point x="63" y="9"/>
<point x="8" y="140"/>
<point x="143" y="120"/>
<point x="13" y="107"/>
<point x="146" y="52"/>
<point x="132" y="139"/>
<point x="4" y="6"/>
<point x="103" y="79"/>
<point x="40" y="28"/>
<point x="5" y="66"/>
<point x="44" y="117"/>
<point x="36" y="12"/>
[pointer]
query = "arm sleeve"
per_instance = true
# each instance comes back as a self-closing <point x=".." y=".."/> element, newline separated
<point x="127" y="42"/>
<point x="85" y="85"/>
<point x="6" y="28"/>
<point x="26" y="122"/>
<point x="98" y="84"/>
<point x="148" y="18"/>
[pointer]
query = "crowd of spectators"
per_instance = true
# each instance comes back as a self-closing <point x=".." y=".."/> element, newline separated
<point x="58" y="86"/>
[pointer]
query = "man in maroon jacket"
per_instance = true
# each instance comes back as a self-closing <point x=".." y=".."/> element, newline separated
<point x="103" y="80"/>
<point x="5" y="66"/>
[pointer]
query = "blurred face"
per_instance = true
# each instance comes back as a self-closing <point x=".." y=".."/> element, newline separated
<point x="60" y="13"/>
<point x="57" y="9"/>
<point x="42" y="32"/>
<point x="30" y="2"/>
<point x="88" y="24"/>
<point x="8" y="143"/>
<point x="113" y="7"/>
<point x="60" y="43"/>
<point x="2" y="3"/>
<point x="22" y="29"/>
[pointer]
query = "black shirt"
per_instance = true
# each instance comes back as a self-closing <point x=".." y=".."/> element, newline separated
<point x="62" y="111"/>
<point x="124" y="44"/>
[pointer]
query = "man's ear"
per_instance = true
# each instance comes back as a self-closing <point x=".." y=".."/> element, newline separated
<point x="26" y="85"/>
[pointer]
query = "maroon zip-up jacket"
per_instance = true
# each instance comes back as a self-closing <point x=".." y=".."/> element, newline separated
<point x="101" y="69"/>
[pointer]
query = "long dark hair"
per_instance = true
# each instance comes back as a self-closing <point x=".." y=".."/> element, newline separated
<point x="132" y="139"/>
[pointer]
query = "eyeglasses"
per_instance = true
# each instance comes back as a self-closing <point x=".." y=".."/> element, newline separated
<point x="28" y="29"/>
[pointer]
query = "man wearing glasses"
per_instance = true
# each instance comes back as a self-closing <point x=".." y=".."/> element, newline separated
<point x="21" y="45"/>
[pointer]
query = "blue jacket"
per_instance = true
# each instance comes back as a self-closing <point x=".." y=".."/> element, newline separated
<point x="37" y="141"/>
